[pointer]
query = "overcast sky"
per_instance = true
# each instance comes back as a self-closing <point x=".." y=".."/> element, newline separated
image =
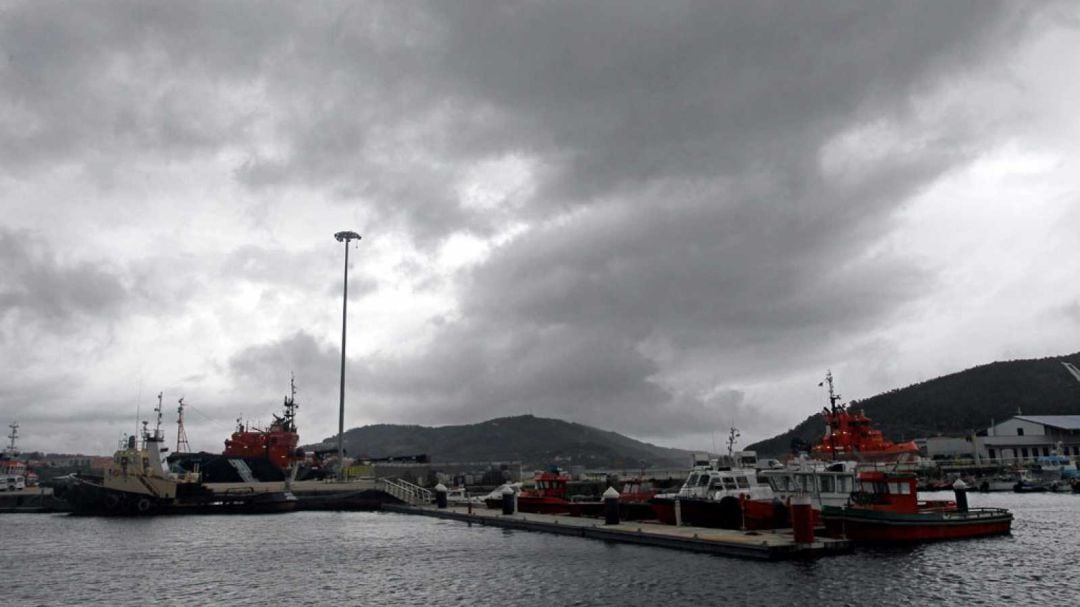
<point x="658" y="218"/>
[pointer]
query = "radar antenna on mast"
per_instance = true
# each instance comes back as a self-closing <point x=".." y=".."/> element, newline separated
<point x="182" y="445"/>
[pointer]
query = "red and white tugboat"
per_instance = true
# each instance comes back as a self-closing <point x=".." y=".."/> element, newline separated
<point x="886" y="508"/>
<point x="849" y="436"/>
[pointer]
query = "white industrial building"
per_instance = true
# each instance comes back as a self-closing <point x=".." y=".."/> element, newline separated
<point x="1027" y="437"/>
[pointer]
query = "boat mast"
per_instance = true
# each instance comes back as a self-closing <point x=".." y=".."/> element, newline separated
<point x="158" y="436"/>
<point x="834" y="409"/>
<point x="182" y="445"/>
<point x="833" y="396"/>
<point x="732" y="435"/>
<point x="289" y="422"/>
<point x="14" y="434"/>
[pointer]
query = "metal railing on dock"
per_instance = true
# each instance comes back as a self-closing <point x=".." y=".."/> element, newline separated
<point x="405" y="491"/>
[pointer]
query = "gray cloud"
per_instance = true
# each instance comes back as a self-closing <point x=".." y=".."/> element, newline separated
<point x="687" y="234"/>
<point x="38" y="287"/>
<point x="689" y="137"/>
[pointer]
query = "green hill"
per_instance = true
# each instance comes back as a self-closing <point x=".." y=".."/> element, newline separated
<point x="956" y="404"/>
<point x="534" y="441"/>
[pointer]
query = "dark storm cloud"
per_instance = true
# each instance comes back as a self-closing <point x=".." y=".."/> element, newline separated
<point x="688" y="137"/>
<point x="618" y="94"/>
<point x="682" y="221"/>
<point x="385" y="102"/>
<point x="36" y="286"/>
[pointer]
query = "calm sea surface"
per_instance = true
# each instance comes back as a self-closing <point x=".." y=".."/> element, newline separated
<point x="357" y="558"/>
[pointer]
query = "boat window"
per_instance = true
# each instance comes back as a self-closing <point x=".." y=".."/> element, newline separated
<point x="843" y="485"/>
<point x="806" y="482"/>
<point x="776" y="483"/>
<point x="867" y="486"/>
<point x="729" y="483"/>
<point x="742" y="482"/>
<point x="703" y="480"/>
<point x="828" y="484"/>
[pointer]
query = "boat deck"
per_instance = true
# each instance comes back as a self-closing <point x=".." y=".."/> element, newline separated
<point x="763" y="545"/>
<point x="29" y="500"/>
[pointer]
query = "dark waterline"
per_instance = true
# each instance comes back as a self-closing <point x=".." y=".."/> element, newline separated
<point x="357" y="558"/>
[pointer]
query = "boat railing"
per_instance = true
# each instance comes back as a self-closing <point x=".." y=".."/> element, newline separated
<point x="976" y="513"/>
<point x="405" y="491"/>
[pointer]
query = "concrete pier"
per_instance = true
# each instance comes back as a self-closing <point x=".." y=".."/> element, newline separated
<point x="760" y="545"/>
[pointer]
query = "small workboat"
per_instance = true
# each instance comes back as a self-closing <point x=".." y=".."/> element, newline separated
<point x="886" y="508"/>
<point x="825" y="483"/>
<point x="549" y="496"/>
<point x="723" y="493"/>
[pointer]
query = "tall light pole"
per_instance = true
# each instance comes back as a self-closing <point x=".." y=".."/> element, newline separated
<point x="343" y="237"/>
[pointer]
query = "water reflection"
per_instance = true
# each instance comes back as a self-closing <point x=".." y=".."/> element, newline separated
<point x="319" y="558"/>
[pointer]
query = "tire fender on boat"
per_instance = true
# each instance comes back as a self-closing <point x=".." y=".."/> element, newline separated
<point x="112" y="501"/>
<point x="143" y="505"/>
<point x="731" y="514"/>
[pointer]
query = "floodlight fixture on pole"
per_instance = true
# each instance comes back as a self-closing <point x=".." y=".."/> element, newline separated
<point x="345" y="237"/>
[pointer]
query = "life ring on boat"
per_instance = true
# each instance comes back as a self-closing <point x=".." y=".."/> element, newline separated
<point x="112" y="501"/>
<point x="143" y="505"/>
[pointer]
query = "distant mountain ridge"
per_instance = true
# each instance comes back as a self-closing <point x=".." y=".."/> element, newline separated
<point x="956" y="404"/>
<point x="534" y="441"/>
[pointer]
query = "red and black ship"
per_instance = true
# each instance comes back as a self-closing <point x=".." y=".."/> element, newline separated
<point x="251" y="454"/>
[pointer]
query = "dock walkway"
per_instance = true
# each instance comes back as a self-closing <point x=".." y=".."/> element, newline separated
<point x="761" y="545"/>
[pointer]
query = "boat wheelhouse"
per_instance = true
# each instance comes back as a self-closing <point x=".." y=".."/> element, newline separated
<point x="826" y="483"/>
<point x="886" y="508"/>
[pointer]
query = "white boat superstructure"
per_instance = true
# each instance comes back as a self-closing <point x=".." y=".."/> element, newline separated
<point x="731" y="475"/>
<point x="827" y="483"/>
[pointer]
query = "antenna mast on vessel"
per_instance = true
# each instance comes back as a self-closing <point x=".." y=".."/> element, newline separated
<point x="289" y="421"/>
<point x="182" y="445"/>
<point x="14" y="434"/>
<point x="157" y="409"/>
<point x="734" y="434"/>
<point x="833" y="396"/>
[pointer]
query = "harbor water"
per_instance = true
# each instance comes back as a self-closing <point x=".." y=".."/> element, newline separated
<point x="365" y="558"/>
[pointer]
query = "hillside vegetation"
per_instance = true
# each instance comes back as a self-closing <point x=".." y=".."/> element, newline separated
<point x="956" y="404"/>
<point x="534" y="441"/>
